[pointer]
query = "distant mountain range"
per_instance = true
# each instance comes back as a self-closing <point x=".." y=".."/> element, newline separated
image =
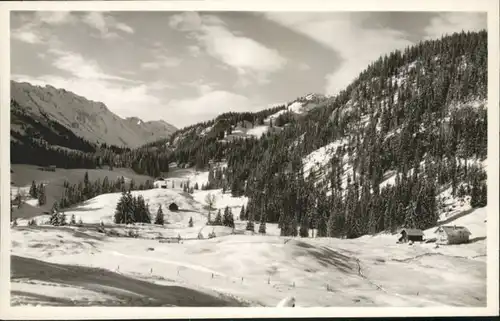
<point x="34" y="107"/>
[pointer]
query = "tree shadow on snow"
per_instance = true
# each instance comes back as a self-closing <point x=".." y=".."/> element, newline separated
<point x="328" y="257"/>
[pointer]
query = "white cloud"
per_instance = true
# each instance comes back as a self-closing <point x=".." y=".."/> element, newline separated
<point x="249" y="57"/>
<point x="28" y="36"/>
<point x="450" y="22"/>
<point x="161" y="61"/>
<point x="79" y="67"/>
<point x="343" y="32"/>
<point x="186" y="21"/>
<point x="55" y="17"/>
<point x="161" y="58"/>
<point x="194" y="50"/>
<point x="105" y="24"/>
<point x="123" y="27"/>
<point x="160" y="85"/>
<point x="242" y="53"/>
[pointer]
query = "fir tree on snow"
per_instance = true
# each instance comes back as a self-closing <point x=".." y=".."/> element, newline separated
<point x="42" y="198"/>
<point x="226" y="220"/>
<point x="159" y="220"/>
<point x="55" y="218"/>
<point x="242" y="213"/>
<point x="62" y="219"/>
<point x="191" y="222"/>
<point x="72" y="220"/>
<point x="218" y="218"/>
<point x="33" y="190"/>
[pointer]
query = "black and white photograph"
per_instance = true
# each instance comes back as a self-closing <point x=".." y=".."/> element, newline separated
<point x="235" y="158"/>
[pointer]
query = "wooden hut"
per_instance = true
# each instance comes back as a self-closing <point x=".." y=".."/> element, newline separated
<point x="452" y="234"/>
<point x="411" y="234"/>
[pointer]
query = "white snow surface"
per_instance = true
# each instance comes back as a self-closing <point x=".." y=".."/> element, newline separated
<point x="295" y="107"/>
<point x="258" y="131"/>
<point x="263" y="269"/>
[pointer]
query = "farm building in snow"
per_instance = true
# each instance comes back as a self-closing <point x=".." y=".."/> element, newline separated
<point x="411" y="234"/>
<point x="160" y="183"/>
<point x="452" y="234"/>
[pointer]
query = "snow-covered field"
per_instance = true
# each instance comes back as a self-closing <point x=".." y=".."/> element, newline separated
<point x="257" y="270"/>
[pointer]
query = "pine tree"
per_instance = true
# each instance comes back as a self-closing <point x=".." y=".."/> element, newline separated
<point x="42" y="198"/>
<point x="304" y="227"/>
<point x="120" y="216"/>
<point x="33" y="190"/>
<point x="242" y="213"/>
<point x="54" y="218"/>
<point x="72" y="220"/>
<point x="191" y="222"/>
<point x="62" y="219"/>
<point x="226" y="219"/>
<point x="483" y="195"/>
<point x="86" y="183"/>
<point x="231" y="219"/>
<point x="218" y="218"/>
<point x="159" y="220"/>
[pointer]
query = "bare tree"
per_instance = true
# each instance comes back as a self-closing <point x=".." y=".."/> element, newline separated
<point x="210" y="200"/>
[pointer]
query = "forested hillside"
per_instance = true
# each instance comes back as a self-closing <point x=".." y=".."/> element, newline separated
<point x="372" y="158"/>
<point x="415" y="118"/>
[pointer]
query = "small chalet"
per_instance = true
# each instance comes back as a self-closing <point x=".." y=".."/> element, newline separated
<point x="173" y="207"/>
<point x="411" y="234"/>
<point x="160" y="183"/>
<point x="452" y="234"/>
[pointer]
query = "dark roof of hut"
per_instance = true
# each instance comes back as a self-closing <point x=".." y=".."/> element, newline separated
<point x="450" y="230"/>
<point x="413" y="231"/>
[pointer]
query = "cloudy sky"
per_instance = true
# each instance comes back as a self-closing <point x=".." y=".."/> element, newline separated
<point x="185" y="67"/>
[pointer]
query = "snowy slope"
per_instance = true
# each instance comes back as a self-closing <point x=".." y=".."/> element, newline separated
<point x="369" y="271"/>
<point x="262" y="269"/>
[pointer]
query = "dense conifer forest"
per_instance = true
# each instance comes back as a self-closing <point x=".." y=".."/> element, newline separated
<point x="419" y="114"/>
